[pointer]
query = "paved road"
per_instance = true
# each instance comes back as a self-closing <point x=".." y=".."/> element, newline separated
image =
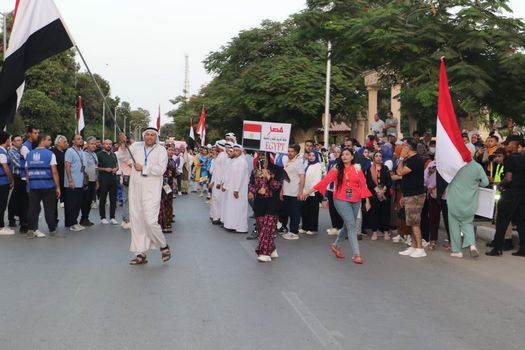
<point x="80" y="293"/>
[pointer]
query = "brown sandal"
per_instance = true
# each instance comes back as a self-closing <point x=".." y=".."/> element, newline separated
<point x="166" y="253"/>
<point x="139" y="260"/>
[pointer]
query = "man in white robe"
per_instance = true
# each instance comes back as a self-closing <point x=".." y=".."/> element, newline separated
<point x="149" y="164"/>
<point x="236" y="195"/>
<point x="217" y="170"/>
<point x="226" y="172"/>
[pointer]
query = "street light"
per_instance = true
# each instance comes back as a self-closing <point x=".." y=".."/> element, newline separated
<point x="4" y="30"/>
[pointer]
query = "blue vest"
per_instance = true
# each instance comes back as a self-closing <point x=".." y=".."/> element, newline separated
<point x="39" y="169"/>
<point x="29" y="146"/>
<point x="4" y="180"/>
<point x="279" y="160"/>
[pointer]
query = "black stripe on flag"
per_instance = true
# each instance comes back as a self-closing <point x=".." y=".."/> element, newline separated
<point x="251" y="144"/>
<point x="42" y="44"/>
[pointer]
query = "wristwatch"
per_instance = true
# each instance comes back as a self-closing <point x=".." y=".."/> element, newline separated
<point x="401" y="158"/>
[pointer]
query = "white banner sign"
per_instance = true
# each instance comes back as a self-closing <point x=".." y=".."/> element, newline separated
<point x="486" y="202"/>
<point x="266" y="136"/>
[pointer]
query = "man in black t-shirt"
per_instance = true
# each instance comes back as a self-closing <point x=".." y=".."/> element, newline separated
<point x="411" y="169"/>
<point x="511" y="206"/>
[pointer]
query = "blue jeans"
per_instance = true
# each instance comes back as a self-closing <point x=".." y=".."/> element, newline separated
<point x="125" y="204"/>
<point x="293" y="209"/>
<point x="348" y="212"/>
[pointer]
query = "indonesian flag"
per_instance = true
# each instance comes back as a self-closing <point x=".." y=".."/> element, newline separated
<point x="38" y="33"/>
<point x="158" y="120"/>
<point x="80" y="117"/>
<point x="451" y="152"/>
<point x="201" y="127"/>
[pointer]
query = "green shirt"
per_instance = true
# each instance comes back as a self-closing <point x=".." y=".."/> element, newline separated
<point x="462" y="192"/>
<point x="106" y="160"/>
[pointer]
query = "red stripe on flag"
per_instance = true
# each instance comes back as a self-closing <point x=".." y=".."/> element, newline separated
<point x="252" y="127"/>
<point x="14" y="13"/>
<point x="447" y="116"/>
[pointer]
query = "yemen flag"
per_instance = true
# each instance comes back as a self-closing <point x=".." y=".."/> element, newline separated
<point x="451" y="152"/>
<point x="38" y="33"/>
<point x="251" y="135"/>
<point x="80" y="117"/>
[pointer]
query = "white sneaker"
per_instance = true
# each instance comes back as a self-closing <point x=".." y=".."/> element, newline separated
<point x="6" y="231"/>
<point x="179" y="193"/>
<point x="398" y="239"/>
<point x="456" y="255"/>
<point x="62" y="205"/>
<point x="311" y="233"/>
<point x="334" y="232"/>
<point x="290" y="236"/>
<point x="407" y="251"/>
<point x="418" y="253"/>
<point x="94" y="205"/>
<point x="274" y="254"/>
<point x="126" y="226"/>
<point x="424" y="243"/>
<point x="39" y="234"/>
<point x="474" y="253"/>
<point x="264" y="258"/>
<point x="113" y="222"/>
<point x="76" y="228"/>
<point x="104" y="221"/>
<point x="301" y="231"/>
<point x="408" y="241"/>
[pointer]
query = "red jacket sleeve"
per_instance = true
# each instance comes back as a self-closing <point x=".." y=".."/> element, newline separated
<point x="323" y="184"/>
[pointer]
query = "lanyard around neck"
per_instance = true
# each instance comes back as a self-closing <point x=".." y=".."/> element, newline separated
<point x="146" y="154"/>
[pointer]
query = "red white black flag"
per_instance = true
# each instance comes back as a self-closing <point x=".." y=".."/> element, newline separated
<point x="38" y="33"/>
<point x="80" y="117"/>
<point x="201" y="127"/>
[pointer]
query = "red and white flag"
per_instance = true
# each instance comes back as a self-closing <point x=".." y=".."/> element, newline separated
<point x="80" y="117"/>
<point x="38" y="33"/>
<point x="201" y="127"/>
<point x="158" y="120"/>
<point x="451" y="152"/>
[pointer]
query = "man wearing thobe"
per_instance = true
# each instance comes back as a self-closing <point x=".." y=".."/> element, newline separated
<point x="217" y="170"/>
<point x="226" y="173"/>
<point x="236" y="197"/>
<point x="462" y="200"/>
<point x="149" y="164"/>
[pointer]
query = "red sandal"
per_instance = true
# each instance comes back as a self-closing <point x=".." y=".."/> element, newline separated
<point x="357" y="260"/>
<point x="337" y="252"/>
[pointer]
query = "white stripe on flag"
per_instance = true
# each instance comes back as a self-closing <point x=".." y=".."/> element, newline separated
<point x="251" y="135"/>
<point x="448" y="159"/>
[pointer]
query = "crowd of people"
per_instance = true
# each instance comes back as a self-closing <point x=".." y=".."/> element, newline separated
<point x="386" y="188"/>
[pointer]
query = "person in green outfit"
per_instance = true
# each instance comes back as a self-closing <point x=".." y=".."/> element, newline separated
<point x="462" y="199"/>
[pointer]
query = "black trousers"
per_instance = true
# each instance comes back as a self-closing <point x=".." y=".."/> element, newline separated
<point x="72" y="205"/>
<point x="335" y="218"/>
<point x="379" y="214"/>
<point x="108" y="187"/>
<point x="511" y="207"/>
<point x="310" y="213"/>
<point x="62" y="199"/>
<point x="48" y="198"/>
<point x="89" y="196"/>
<point x="4" y="196"/>
<point x="18" y="202"/>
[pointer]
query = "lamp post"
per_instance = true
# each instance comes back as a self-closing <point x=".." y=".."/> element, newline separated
<point x="4" y="30"/>
<point x="327" y="96"/>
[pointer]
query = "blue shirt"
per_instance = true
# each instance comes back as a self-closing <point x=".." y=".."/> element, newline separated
<point x="77" y="159"/>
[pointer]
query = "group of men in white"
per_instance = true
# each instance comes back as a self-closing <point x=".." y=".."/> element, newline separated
<point x="230" y="176"/>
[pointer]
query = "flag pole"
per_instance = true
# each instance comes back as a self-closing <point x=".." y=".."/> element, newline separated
<point x="327" y="98"/>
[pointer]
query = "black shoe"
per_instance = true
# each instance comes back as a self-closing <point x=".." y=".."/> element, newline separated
<point x="253" y="236"/>
<point x="520" y="252"/>
<point x="86" y="223"/>
<point x="508" y="245"/>
<point x="283" y="230"/>
<point x="23" y="229"/>
<point x="490" y="244"/>
<point x="216" y="222"/>
<point x="12" y="223"/>
<point x="494" y="252"/>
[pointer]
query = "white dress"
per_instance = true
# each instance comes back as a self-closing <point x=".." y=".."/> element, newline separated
<point x="217" y="169"/>
<point x="236" y="209"/>
<point x="145" y="190"/>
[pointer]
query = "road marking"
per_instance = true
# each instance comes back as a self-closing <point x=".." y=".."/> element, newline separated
<point x="322" y="334"/>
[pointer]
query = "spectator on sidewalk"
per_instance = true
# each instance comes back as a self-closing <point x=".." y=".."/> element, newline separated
<point x="107" y="179"/>
<point x="379" y="184"/>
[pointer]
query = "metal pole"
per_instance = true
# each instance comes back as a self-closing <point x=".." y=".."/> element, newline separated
<point x="103" y="121"/>
<point x="327" y="98"/>
<point x="115" y="126"/>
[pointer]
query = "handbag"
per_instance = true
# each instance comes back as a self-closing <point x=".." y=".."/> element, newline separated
<point x="125" y="180"/>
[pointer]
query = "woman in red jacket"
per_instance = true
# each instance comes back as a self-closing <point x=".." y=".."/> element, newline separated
<point x="350" y="189"/>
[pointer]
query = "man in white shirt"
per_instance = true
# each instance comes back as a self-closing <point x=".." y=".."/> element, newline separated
<point x="391" y="124"/>
<point x="291" y="191"/>
<point x="377" y="126"/>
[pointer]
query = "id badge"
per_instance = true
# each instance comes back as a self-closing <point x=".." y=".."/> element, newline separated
<point x="349" y="193"/>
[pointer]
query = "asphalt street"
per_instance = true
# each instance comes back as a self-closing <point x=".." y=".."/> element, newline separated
<point x="79" y="292"/>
